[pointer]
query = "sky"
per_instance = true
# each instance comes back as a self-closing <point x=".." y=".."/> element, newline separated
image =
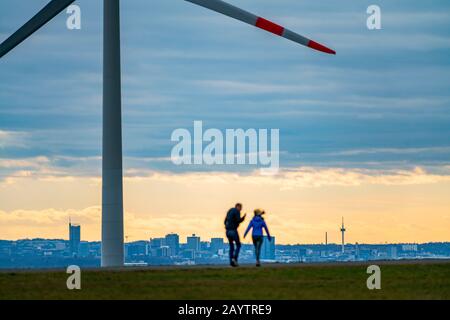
<point x="364" y="134"/>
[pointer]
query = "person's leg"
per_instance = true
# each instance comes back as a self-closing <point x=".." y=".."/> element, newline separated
<point x="238" y="246"/>
<point x="255" y="244"/>
<point x="259" y="243"/>
<point x="231" y="251"/>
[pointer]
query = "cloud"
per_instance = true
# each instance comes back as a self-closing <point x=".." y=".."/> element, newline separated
<point x="64" y="168"/>
<point x="12" y="139"/>
<point x="49" y="223"/>
<point x="49" y="217"/>
<point x="309" y="177"/>
<point x="35" y="162"/>
<point x="240" y="87"/>
<point x="400" y="41"/>
<point x="389" y="151"/>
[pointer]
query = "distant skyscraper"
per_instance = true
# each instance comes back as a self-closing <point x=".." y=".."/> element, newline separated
<point x="343" y="234"/>
<point x="193" y="243"/>
<point x="173" y="242"/>
<point x="268" y="249"/>
<point x="74" y="238"/>
<point x="216" y="244"/>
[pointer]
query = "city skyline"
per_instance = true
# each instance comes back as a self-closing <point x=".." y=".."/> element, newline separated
<point x="46" y="253"/>
<point x="170" y="250"/>
<point x="75" y="232"/>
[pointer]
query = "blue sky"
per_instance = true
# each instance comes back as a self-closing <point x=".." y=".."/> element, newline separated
<point x="382" y="102"/>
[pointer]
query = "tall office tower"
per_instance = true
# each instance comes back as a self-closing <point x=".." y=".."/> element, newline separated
<point x="268" y="249"/>
<point x="193" y="243"/>
<point x="172" y="241"/>
<point x="74" y="238"/>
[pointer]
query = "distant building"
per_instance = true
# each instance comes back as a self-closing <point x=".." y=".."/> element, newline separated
<point x="204" y="245"/>
<point x="216" y="245"/>
<point x="163" y="251"/>
<point x="193" y="243"/>
<point x="156" y="243"/>
<point x="60" y="246"/>
<point x="409" y="247"/>
<point x="268" y="249"/>
<point x="74" y="238"/>
<point x="173" y="242"/>
<point x="393" y="252"/>
<point x="189" y="254"/>
<point x="136" y="249"/>
<point x="83" y="249"/>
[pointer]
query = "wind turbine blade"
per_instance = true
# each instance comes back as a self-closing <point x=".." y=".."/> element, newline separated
<point x="42" y="17"/>
<point x="247" y="17"/>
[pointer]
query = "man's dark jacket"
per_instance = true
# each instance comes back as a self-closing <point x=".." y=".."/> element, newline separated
<point x="233" y="219"/>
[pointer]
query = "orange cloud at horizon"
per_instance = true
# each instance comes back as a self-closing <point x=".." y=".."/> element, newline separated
<point x="302" y="204"/>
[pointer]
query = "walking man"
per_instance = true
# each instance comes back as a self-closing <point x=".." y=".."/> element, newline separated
<point x="232" y="222"/>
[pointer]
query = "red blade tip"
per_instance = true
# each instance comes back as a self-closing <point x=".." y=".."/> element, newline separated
<point x="317" y="46"/>
<point x="269" y="26"/>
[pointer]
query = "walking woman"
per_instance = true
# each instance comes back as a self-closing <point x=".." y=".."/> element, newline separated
<point x="258" y="224"/>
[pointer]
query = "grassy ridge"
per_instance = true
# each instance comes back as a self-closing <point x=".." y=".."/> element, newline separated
<point x="399" y="281"/>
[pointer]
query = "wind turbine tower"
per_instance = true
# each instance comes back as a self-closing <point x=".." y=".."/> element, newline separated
<point x="343" y="235"/>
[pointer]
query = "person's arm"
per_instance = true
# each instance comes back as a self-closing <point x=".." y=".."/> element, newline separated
<point x="236" y="217"/>
<point x="267" y="231"/>
<point x="250" y="225"/>
<point x="243" y="217"/>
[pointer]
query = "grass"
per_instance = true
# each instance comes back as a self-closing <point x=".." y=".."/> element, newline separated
<point x="398" y="281"/>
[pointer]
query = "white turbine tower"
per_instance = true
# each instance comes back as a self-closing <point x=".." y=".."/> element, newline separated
<point x="112" y="185"/>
